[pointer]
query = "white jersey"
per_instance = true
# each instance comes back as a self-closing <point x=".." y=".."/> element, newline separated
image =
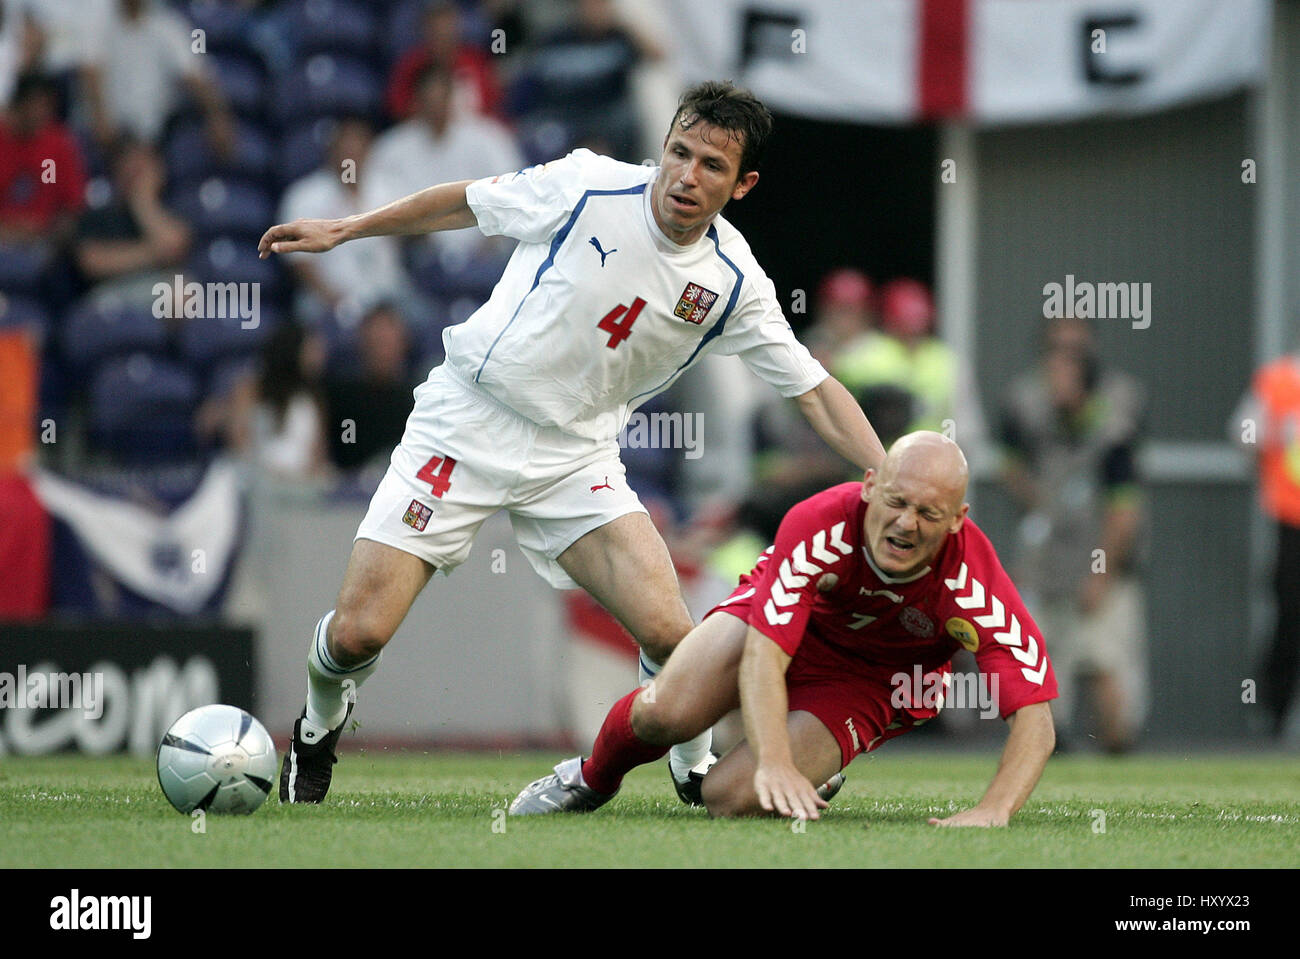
<point x="597" y="310"/>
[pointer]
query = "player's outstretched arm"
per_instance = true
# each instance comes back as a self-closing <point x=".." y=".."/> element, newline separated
<point x="765" y="705"/>
<point x="1030" y="743"/>
<point x="441" y="207"/>
<point x="838" y="419"/>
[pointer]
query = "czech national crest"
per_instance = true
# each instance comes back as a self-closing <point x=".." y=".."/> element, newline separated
<point x="694" y="303"/>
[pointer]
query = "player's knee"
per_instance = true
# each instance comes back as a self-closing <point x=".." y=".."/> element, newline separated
<point x="660" y="638"/>
<point x="725" y="797"/>
<point x="660" y="723"/>
<point x="355" y="638"/>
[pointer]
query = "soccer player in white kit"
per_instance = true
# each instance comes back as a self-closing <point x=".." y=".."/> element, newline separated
<point x="623" y="277"/>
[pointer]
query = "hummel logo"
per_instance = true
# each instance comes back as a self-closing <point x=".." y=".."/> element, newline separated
<point x="880" y="592"/>
<point x="854" y="733"/>
<point x="596" y="243"/>
<point x="604" y="485"/>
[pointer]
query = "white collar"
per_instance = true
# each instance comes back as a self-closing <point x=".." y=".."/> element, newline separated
<point x="891" y="579"/>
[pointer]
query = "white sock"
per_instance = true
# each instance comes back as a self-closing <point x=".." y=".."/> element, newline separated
<point x="683" y="757"/>
<point x="330" y="687"/>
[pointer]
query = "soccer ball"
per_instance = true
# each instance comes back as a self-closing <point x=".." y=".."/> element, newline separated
<point x="216" y="758"/>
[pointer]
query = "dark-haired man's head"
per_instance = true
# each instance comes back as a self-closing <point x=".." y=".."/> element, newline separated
<point x="711" y="156"/>
<point x="732" y="110"/>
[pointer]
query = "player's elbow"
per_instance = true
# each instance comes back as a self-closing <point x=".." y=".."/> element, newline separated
<point x="1036" y="720"/>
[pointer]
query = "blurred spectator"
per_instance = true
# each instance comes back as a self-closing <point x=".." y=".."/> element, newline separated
<point x="289" y="429"/>
<point x="275" y="413"/>
<point x="368" y="407"/>
<point x="441" y="44"/>
<point x="580" y="77"/>
<point x="42" y="173"/>
<point x="140" y="68"/>
<point x="1070" y="431"/>
<point x="908" y="361"/>
<point x="42" y="190"/>
<point x="352" y="277"/>
<point x="1268" y="423"/>
<point x="19" y="47"/>
<point x="845" y="317"/>
<point x="791" y="462"/>
<point x="124" y="241"/>
<point x="65" y="34"/>
<point x="438" y="145"/>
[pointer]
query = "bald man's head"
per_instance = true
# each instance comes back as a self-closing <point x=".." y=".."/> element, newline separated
<point x="918" y="498"/>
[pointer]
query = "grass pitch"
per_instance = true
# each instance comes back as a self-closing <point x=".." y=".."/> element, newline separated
<point x="412" y="809"/>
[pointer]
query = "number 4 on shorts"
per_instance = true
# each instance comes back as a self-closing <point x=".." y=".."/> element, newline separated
<point x="441" y="480"/>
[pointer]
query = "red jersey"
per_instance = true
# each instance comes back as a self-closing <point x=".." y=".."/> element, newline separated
<point x="816" y="591"/>
<point x="40" y="177"/>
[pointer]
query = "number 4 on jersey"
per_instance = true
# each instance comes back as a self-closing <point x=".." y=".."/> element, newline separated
<point x="440" y="481"/>
<point x="620" y="329"/>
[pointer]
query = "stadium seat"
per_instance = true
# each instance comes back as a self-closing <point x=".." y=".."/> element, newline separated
<point x="303" y="148"/>
<point x="227" y="373"/>
<point x="327" y="85"/>
<point x="431" y="274"/>
<point x="225" y="259"/>
<point x="189" y="156"/>
<point x="227" y="26"/>
<point x="18" y="311"/>
<point x="22" y="267"/>
<point x="335" y="26"/>
<point x="206" y="341"/>
<point x="94" y="333"/>
<point x="543" y="140"/>
<point x="225" y="206"/>
<point x="243" y="80"/>
<point x="141" y="410"/>
<point x="402" y="28"/>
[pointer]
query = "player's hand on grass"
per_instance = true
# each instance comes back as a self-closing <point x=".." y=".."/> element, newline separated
<point x="785" y="790"/>
<point x="300" y="236"/>
<point x="973" y="817"/>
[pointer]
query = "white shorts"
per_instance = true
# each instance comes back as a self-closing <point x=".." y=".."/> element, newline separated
<point x="464" y="455"/>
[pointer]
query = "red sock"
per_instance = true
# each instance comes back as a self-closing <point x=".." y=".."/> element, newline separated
<point x="618" y="750"/>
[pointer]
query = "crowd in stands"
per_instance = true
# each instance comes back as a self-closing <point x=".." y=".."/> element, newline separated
<point x="145" y="145"/>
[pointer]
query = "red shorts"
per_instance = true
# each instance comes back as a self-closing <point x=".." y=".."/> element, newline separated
<point x="851" y="698"/>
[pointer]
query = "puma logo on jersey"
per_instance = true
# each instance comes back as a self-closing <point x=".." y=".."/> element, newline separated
<point x="604" y="485"/>
<point x="596" y="243"/>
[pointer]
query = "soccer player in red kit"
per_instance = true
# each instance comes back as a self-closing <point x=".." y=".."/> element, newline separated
<point x="867" y="586"/>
